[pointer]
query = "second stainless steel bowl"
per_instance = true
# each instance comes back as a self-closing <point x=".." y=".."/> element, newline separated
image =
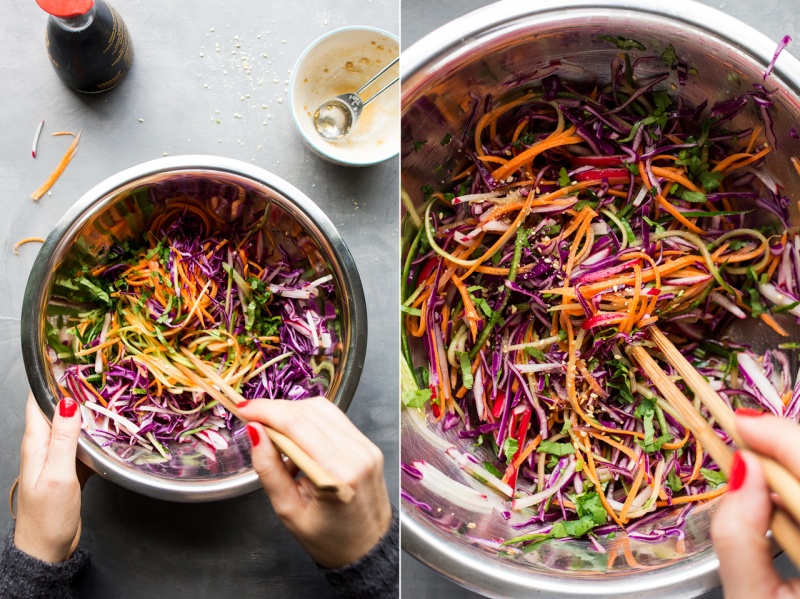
<point x="494" y="51"/>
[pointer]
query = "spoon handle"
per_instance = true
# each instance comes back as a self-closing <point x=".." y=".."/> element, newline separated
<point x="380" y="91"/>
<point x="378" y="74"/>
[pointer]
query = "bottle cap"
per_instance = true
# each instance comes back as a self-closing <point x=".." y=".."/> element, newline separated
<point x="66" y="9"/>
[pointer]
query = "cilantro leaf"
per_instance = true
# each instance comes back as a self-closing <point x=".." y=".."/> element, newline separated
<point x="622" y="43"/>
<point x="510" y="447"/>
<point x="589" y="504"/>
<point x="555" y="448"/>
<point x="466" y="369"/>
<point x="632" y="166"/>
<point x="714" y="477"/>
<point x="755" y="302"/>
<point x="415" y="399"/>
<point x="710" y="180"/>
<point x="572" y="528"/>
<point x="591" y="512"/>
<point x="674" y="481"/>
<point x="492" y="469"/>
<point x="483" y="305"/>
<point x="647" y="411"/>
<point x="563" y="178"/>
<point x="97" y="291"/>
<point x="669" y="56"/>
<point x="536" y="354"/>
<point x="691" y="196"/>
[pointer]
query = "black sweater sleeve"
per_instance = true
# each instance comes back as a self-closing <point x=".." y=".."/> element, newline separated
<point x="25" y="577"/>
<point x="375" y="575"/>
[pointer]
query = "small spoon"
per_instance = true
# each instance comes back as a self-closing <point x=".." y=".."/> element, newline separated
<point x="335" y="118"/>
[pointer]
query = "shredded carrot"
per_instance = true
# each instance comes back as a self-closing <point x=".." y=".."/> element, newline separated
<point x="523" y="455"/>
<point x="22" y="242"/>
<point x="672" y="175"/>
<point x="555" y="140"/>
<point x="767" y="318"/>
<point x="691" y="498"/>
<point x="59" y="169"/>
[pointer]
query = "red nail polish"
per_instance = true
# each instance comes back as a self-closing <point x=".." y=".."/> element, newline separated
<point x="738" y="472"/>
<point x="67" y="407"/>
<point x="749" y="412"/>
<point x="253" y="433"/>
<point x="243" y="403"/>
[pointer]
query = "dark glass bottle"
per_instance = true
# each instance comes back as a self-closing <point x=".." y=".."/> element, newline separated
<point x="88" y="44"/>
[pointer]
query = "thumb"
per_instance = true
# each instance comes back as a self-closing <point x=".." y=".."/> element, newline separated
<point x="64" y="438"/>
<point x="273" y="473"/>
<point x="739" y="533"/>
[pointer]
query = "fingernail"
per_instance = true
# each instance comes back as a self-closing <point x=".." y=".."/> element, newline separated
<point x="738" y="472"/>
<point x="253" y="434"/>
<point x="67" y="407"/>
<point x="243" y="403"/>
<point x="749" y="412"/>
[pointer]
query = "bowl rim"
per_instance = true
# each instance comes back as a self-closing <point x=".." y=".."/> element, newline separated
<point x="46" y="261"/>
<point x="436" y="51"/>
<point x="317" y="149"/>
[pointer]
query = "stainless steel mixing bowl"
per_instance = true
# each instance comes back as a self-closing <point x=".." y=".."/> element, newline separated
<point x="119" y="208"/>
<point x="499" y="49"/>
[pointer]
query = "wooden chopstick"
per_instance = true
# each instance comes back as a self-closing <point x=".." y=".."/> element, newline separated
<point x="783" y="526"/>
<point x="690" y="418"/>
<point x="779" y="478"/>
<point x="229" y="397"/>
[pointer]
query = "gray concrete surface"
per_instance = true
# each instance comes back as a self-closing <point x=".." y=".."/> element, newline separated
<point x="179" y="87"/>
<point x="775" y="18"/>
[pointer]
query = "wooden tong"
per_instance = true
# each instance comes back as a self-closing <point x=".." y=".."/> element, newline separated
<point x="229" y="398"/>
<point x="784" y="526"/>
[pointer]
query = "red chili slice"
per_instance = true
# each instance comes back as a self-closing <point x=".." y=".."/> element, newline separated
<point x="605" y="318"/>
<point x="497" y="406"/>
<point x="606" y="273"/>
<point x="427" y="269"/>
<point x="601" y="173"/>
<point x="597" y="160"/>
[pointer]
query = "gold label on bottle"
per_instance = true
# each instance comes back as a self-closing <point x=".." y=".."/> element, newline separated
<point x="119" y="46"/>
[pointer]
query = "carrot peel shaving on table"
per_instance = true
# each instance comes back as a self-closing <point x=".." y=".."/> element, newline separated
<point x="65" y="160"/>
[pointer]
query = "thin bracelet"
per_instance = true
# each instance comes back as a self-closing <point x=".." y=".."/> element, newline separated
<point x="11" y="498"/>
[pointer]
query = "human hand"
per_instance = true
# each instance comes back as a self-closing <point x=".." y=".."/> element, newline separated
<point x="332" y="533"/>
<point x="742" y="519"/>
<point x="49" y="504"/>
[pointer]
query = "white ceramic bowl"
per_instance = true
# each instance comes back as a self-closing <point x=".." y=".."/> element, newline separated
<point x="339" y="62"/>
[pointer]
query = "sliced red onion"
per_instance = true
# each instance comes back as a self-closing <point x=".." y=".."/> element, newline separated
<point x="533" y="368"/>
<point x="688" y="281"/>
<point x="566" y="476"/>
<point x="723" y="301"/>
<point x="477" y="392"/>
<point x="754" y="372"/>
<point x="783" y="43"/>
<point x="475" y="197"/>
<point x="778" y="297"/>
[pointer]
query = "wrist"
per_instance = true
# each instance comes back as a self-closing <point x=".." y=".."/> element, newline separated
<point x="333" y="555"/>
<point x="35" y="548"/>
